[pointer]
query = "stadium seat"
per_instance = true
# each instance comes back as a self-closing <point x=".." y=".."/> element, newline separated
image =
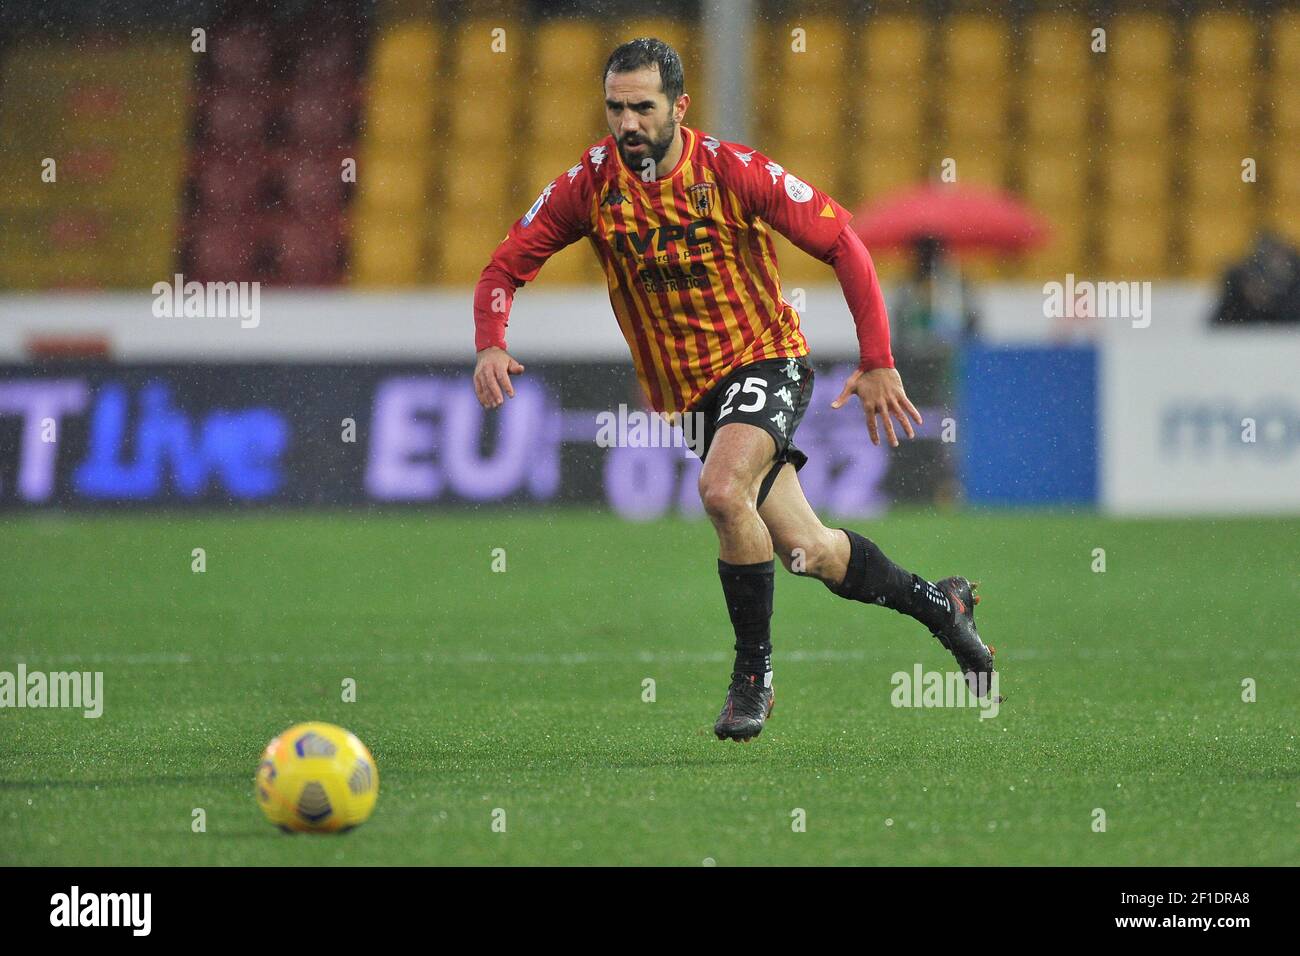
<point x="975" y="45"/>
<point x="230" y="183"/>
<point x="398" y="117"/>
<point x="895" y="46"/>
<point x="304" y="252"/>
<point x="1134" y="176"/>
<point x="236" y="119"/>
<point x="390" y="182"/>
<point x="1286" y="44"/>
<point x="1135" y="242"/>
<point x="1140" y="45"/>
<point x="1138" y="112"/>
<point x="241" y="56"/>
<point x="1215" y="237"/>
<point x="1221" y="109"/>
<point x="1056" y="109"/>
<point x="1221" y="45"/>
<point x="386" y="252"/>
<point x="1057" y="45"/>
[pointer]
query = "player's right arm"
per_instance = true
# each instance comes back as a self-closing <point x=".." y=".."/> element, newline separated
<point x="556" y="219"/>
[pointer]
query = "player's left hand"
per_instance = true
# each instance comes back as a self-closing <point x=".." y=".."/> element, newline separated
<point x="881" y="392"/>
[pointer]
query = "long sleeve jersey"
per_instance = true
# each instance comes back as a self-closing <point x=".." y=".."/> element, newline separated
<point x="689" y="262"/>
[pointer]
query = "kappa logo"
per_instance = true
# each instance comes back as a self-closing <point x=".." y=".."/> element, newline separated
<point x="779" y="418"/>
<point x="783" y="393"/>
<point x="776" y="170"/>
<point x="792" y="370"/>
<point x="615" y="198"/>
<point x="597" y="154"/>
<point x="701" y="198"/>
<point x="574" y="170"/>
<point x="711" y="145"/>
<point x="744" y="157"/>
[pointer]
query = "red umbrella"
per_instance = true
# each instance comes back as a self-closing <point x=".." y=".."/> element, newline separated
<point x="961" y="217"/>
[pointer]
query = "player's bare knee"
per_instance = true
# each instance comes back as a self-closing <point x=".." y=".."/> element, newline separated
<point x="808" y="555"/>
<point x="725" y="498"/>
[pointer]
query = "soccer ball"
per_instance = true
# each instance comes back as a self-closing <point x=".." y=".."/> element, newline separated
<point x="317" y="778"/>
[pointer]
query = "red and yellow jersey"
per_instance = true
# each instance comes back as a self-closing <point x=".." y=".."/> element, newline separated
<point x="688" y="257"/>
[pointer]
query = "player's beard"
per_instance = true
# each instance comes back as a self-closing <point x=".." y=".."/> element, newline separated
<point x="658" y="148"/>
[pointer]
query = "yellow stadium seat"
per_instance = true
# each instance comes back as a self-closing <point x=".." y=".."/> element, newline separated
<point x="489" y="50"/>
<point x="481" y="186"/>
<point x="1055" y="110"/>
<point x="815" y="118"/>
<point x="1055" y="178"/>
<point x="1140" y="45"/>
<point x="975" y="45"/>
<point x="889" y="111"/>
<point x="1222" y="44"/>
<point x="1135" y="242"/>
<point x="1133" y="176"/>
<point x="822" y="51"/>
<point x="1285" y="106"/>
<point x="972" y="109"/>
<point x="1221" y="110"/>
<point x="1216" y="236"/>
<point x="1278" y="175"/>
<point x="883" y="170"/>
<point x="393" y="181"/>
<point x="1215" y="178"/>
<point x="569" y="53"/>
<point x="1138" y="112"/>
<point x="1059" y="44"/>
<point x="386" y="251"/>
<point x="1286" y="43"/>
<point x="980" y="162"/>
<point x="1064" y="253"/>
<point x="557" y="120"/>
<point x="896" y="46"/>
<point x="397" y="118"/>
<point x="406" y="54"/>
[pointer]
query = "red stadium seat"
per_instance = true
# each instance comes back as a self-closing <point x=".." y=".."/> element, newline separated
<point x="241" y="55"/>
<point x="236" y="119"/>
<point x="230" y="183"/>
<point x="221" y="252"/>
<point x="311" y="186"/>
<point x="320" y="116"/>
<point x="306" y="253"/>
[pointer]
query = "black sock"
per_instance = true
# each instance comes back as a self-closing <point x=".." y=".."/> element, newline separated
<point x="873" y="579"/>
<point x="748" y="589"/>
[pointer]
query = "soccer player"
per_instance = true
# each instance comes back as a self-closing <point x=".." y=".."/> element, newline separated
<point x="680" y="222"/>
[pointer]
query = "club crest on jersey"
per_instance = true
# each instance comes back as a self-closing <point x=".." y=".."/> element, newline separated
<point x="597" y="154"/>
<point x="701" y="198"/>
<point x="536" y="207"/>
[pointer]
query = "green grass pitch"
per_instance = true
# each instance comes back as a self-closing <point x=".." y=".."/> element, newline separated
<point x="523" y="691"/>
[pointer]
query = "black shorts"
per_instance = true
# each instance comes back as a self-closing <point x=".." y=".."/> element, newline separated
<point x="772" y="395"/>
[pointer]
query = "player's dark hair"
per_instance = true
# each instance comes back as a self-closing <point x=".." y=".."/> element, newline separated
<point x="649" y="52"/>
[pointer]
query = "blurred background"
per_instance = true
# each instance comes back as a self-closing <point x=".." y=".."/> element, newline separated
<point x="1010" y="165"/>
